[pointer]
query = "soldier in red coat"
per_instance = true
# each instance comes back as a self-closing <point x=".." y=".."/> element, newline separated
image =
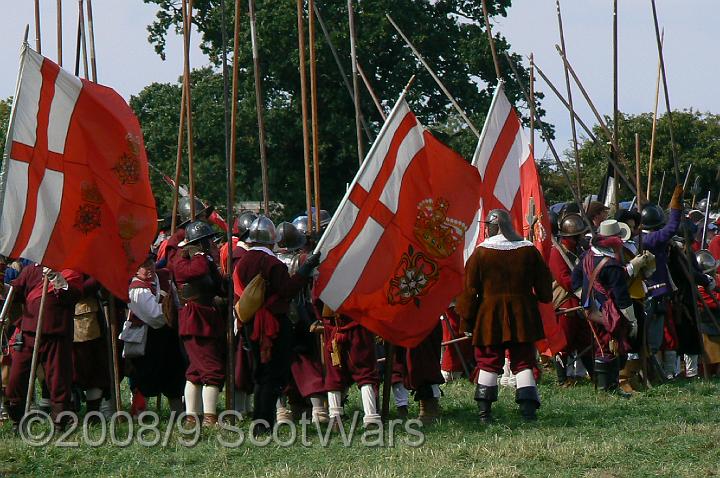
<point x="55" y="351"/>
<point x="169" y="249"/>
<point x="90" y="353"/>
<point x="505" y="278"/>
<point x="563" y="259"/>
<point x="201" y="322"/>
<point x="269" y="330"/>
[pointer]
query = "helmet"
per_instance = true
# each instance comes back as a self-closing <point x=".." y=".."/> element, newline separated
<point x="696" y="216"/>
<point x="288" y="237"/>
<point x="243" y="222"/>
<point x="706" y="261"/>
<point x="196" y="231"/>
<point x="652" y="217"/>
<point x="300" y="224"/>
<point x="184" y="209"/>
<point x="572" y="224"/>
<point x="702" y="204"/>
<point x="499" y="222"/>
<point x="262" y="231"/>
<point x="553" y="218"/>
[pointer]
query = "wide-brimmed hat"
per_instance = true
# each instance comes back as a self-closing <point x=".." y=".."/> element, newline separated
<point x="610" y="227"/>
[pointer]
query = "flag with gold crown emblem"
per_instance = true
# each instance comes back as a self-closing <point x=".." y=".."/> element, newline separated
<point x="75" y="190"/>
<point x="392" y="256"/>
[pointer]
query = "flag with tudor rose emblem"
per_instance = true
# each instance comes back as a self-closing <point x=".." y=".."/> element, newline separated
<point x="392" y="256"/>
<point x="74" y="191"/>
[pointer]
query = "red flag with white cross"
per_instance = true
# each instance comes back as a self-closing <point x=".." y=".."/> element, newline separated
<point x="510" y="181"/>
<point x="75" y="190"/>
<point x="392" y="256"/>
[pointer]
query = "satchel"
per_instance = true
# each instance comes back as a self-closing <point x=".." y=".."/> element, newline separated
<point x="134" y="339"/>
<point x="251" y="299"/>
<point x="560" y="295"/>
<point x="85" y="325"/>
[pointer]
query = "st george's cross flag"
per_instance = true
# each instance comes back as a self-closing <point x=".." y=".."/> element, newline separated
<point x="392" y="256"/>
<point x="74" y="188"/>
<point x="510" y="181"/>
<point x="509" y="175"/>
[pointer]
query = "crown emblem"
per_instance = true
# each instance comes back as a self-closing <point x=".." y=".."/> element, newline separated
<point x="439" y="234"/>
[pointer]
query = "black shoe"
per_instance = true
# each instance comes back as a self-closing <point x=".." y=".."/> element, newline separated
<point x="485" y="396"/>
<point x="485" y="408"/>
<point x="528" y="410"/>
<point x="529" y="401"/>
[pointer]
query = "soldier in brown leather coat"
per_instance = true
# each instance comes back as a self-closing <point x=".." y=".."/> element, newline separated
<point x="505" y="278"/>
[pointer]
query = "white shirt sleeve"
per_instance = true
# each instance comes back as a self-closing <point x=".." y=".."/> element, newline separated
<point x="145" y="306"/>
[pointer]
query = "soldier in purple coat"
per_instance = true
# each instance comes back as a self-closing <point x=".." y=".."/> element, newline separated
<point x="656" y="237"/>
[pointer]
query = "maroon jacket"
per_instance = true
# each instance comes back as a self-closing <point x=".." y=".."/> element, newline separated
<point x="196" y="319"/>
<point x="279" y="282"/>
<point x="59" y="304"/>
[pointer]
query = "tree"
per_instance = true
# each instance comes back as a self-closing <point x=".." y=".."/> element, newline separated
<point x="5" y="108"/>
<point x="449" y="32"/>
<point x="697" y="137"/>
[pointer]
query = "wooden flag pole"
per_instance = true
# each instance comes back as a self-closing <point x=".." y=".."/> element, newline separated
<point x="546" y="134"/>
<point x="304" y="109"/>
<point x="435" y="77"/>
<point x="314" y="112"/>
<point x="112" y="319"/>
<point x="356" y="83"/>
<point x="91" y="32"/>
<point x="83" y="39"/>
<point x="532" y="103"/>
<point x="259" y="108"/>
<point x="187" y="8"/>
<point x="491" y="40"/>
<point x="235" y="86"/>
<point x="640" y="201"/>
<point x="601" y="122"/>
<point x="38" y="43"/>
<point x="59" y="33"/>
<point x="616" y="110"/>
<point x="77" y="48"/>
<point x="576" y="151"/>
<point x="229" y="322"/>
<point x="559" y="96"/>
<point x="345" y="79"/>
<point x="36" y="344"/>
<point x="374" y="97"/>
<point x="676" y="164"/>
<point x="662" y="186"/>
<point x="654" y="124"/>
<point x="178" y="161"/>
<point x="387" y="379"/>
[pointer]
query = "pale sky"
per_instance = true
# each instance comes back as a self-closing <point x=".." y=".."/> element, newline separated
<point x="127" y="62"/>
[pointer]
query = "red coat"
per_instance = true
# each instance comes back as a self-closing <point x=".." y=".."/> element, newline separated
<point x="59" y="304"/>
<point x="559" y="268"/>
<point x="279" y="281"/>
<point x="196" y="319"/>
<point x="714" y="247"/>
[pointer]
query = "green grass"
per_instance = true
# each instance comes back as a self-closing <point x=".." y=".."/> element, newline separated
<point x="671" y="430"/>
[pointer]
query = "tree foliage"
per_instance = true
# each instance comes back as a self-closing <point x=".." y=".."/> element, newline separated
<point x="697" y="139"/>
<point x="450" y="33"/>
<point x="5" y="108"/>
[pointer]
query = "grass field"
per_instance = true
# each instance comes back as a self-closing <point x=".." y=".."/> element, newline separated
<point x="671" y="430"/>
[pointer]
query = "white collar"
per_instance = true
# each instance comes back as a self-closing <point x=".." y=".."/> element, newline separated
<point x="501" y="243"/>
<point x="263" y="249"/>
<point x="602" y="251"/>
